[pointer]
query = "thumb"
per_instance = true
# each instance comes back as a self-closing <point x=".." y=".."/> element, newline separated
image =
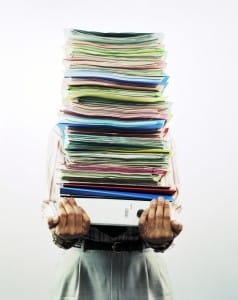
<point x="176" y="227"/>
<point x="53" y="222"/>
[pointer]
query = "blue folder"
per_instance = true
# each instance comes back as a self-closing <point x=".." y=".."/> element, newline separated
<point x="84" y="74"/>
<point x="81" y="192"/>
<point x="104" y="123"/>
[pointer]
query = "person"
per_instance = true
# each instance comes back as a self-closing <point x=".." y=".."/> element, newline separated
<point x="108" y="262"/>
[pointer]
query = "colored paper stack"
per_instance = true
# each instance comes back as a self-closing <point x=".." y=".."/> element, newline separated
<point x="114" y="119"/>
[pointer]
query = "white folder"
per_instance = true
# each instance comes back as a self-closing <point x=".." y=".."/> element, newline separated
<point x="113" y="211"/>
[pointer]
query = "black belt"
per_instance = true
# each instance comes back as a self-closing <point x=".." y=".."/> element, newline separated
<point x="117" y="246"/>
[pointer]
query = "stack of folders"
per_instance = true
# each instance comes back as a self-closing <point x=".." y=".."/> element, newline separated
<point x="114" y="119"/>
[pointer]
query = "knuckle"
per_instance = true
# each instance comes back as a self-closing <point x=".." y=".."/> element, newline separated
<point x="61" y="232"/>
<point x="160" y="202"/>
<point x="78" y="231"/>
<point x="72" y="231"/>
<point x="84" y="232"/>
<point x="72" y="201"/>
<point x="71" y="214"/>
<point x="167" y="235"/>
<point x="64" y="201"/>
<point x="79" y="212"/>
<point x="170" y="236"/>
<point x="87" y="221"/>
<point x="67" y="232"/>
<point x="62" y="214"/>
<point x="157" y="236"/>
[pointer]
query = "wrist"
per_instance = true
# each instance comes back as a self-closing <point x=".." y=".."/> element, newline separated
<point x="161" y="247"/>
<point x="62" y="242"/>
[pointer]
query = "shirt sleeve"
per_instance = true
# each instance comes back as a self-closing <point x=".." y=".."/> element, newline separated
<point x="177" y="204"/>
<point x="55" y="157"/>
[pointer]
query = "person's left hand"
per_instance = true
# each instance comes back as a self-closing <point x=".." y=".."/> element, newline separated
<point x="155" y="224"/>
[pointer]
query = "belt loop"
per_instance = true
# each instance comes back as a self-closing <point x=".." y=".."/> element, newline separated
<point x="82" y="245"/>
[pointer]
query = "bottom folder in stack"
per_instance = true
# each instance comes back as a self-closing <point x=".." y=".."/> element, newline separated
<point x="115" y="212"/>
<point x="108" y="207"/>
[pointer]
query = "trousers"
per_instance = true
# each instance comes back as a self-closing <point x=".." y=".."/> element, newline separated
<point x="107" y="275"/>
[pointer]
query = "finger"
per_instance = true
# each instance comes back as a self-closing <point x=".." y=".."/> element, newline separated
<point x="176" y="227"/>
<point x="62" y="218"/>
<point x="82" y="209"/>
<point x="86" y="223"/>
<point x="72" y="201"/>
<point x="77" y="216"/>
<point x="70" y="222"/>
<point x="159" y="213"/>
<point x="82" y="220"/>
<point x="53" y="222"/>
<point x="152" y="211"/>
<point x="167" y="216"/>
<point x="79" y="220"/>
<point x="143" y="218"/>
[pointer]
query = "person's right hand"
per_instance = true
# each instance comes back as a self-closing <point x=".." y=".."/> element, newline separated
<point x="72" y="221"/>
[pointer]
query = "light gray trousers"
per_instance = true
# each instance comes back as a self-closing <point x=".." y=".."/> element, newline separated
<point x="106" y="275"/>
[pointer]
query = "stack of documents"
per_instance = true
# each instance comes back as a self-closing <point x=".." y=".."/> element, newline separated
<point x="114" y="119"/>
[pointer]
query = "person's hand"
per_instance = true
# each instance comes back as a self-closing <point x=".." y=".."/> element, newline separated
<point x="72" y="221"/>
<point x="155" y="224"/>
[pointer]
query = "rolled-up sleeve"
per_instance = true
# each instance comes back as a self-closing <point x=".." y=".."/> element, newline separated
<point x="177" y="204"/>
<point x="55" y="157"/>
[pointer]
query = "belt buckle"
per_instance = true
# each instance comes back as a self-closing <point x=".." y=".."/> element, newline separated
<point x="114" y="246"/>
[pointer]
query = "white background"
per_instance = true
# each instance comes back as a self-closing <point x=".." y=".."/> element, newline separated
<point x="201" y="37"/>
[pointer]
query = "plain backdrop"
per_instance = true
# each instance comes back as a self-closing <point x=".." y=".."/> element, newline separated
<point x="201" y="39"/>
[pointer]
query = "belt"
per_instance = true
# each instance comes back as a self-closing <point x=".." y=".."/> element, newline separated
<point x="118" y="246"/>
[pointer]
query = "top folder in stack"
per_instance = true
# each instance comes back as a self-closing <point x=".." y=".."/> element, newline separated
<point x="114" y="119"/>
